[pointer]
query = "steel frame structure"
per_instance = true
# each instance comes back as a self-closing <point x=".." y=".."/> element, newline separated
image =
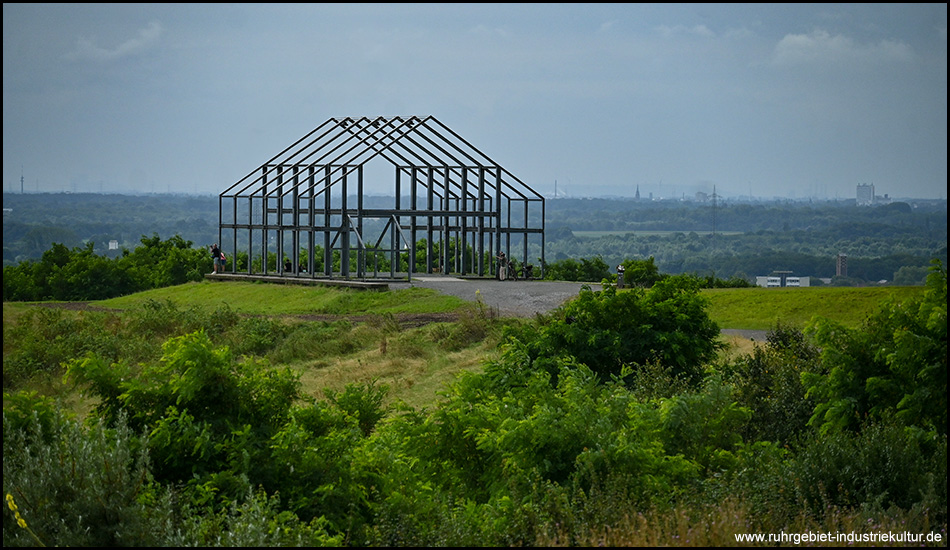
<point x="465" y="206"/>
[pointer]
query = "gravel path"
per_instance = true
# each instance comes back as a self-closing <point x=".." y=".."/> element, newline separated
<point x="509" y="298"/>
<point x="524" y="298"/>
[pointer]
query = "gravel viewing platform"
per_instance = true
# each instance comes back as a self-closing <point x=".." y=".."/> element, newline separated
<point x="523" y="298"/>
<point x="508" y="298"/>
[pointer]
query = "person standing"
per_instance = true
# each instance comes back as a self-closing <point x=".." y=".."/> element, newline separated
<point x="215" y="256"/>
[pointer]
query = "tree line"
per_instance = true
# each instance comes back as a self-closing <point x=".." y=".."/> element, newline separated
<point x="893" y="242"/>
<point x="80" y="274"/>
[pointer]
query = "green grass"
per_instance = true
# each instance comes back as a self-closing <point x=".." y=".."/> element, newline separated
<point x="274" y="299"/>
<point x="761" y="308"/>
<point x="743" y="308"/>
<point x="651" y="232"/>
<point x="416" y="362"/>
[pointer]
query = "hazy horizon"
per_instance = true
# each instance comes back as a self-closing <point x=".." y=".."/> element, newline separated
<point x="647" y="198"/>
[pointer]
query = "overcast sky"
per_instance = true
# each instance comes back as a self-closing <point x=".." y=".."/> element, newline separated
<point x="762" y="100"/>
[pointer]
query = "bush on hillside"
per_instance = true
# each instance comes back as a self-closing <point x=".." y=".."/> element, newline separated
<point x="613" y="329"/>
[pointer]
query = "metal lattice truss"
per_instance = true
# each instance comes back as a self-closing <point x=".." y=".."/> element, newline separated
<point x="306" y="212"/>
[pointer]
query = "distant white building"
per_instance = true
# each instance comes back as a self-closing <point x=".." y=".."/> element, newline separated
<point x="865" y="194"/>
<point x="781" y="279"/>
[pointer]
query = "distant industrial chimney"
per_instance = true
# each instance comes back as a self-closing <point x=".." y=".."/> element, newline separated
<point x="841" y="267"/>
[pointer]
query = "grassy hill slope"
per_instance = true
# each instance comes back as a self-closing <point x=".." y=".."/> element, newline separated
<point x="761" y="308"/>
<point x="448" y="335"/>
<point x="276" y="299"/>
<point x="732" y="308"/>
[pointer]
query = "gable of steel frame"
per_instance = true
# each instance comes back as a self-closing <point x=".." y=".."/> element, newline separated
<point x="340" y="145"/>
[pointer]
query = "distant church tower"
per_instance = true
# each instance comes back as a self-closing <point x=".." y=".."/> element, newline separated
<point x="638" y="193"/>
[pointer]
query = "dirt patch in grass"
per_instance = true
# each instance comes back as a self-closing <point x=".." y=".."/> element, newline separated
<point x="405" y="320"/>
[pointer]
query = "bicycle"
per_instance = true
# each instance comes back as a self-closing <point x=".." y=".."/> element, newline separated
<point x="512" y="272"/>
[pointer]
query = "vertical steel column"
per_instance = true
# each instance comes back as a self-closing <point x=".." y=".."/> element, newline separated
<point x="446" y="235"/>
<point x="311" y="221"/>
<point x="541" y="267"/>
<point x="360" y="252"/>
<point x="525" y="237"/>
<point x="279" y="268"/>
<point x="295" y="238"/>
<point x="429" y="203"/>
<point x="344" y="227"/>
<point x="220" y="216"/>
<point x="234" y="249"/>
<point x="394" y="249"/>
<point x="507" y="226"/>
<point x="497" y="214"/>
<point x="459" y="221"/>
<point x="481" y="221"/>
<point x="413" y="198"/>
<point x="265" y="221"/>
<point x="327" y="252"/>
<point x="464" y="226"/>
<point x="250" y="233"/>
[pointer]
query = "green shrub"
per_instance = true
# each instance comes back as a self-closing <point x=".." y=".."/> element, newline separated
<point x="475" y="323"/>
<point x="78" y="486"/>
<point x="590" y="270"/>
<point x="254" y="521"/>
<point x="70" y="484"/>
<point x="311" y="458"/>
<point x="768" y="382"/>
<point x="643" y="273"/>
<point x="363" y="402"/>
<point x="216" y="323"/>
<point x="32" y="414"/>
<point x="893" y="365"/>
<point x="45" y="338"/>
<point x="653" y="381"/>
<point x="258" y="335"/>
<point x="508" y="453"/>
<point x="206" y="413"/>
<point x="79" y="274"/>
<point x="882" y="465"/>
<point x="155" y="319"/>
<point x="314" y="340"/>
<point x="704" y="426"/>
<point x="608" y="330"/>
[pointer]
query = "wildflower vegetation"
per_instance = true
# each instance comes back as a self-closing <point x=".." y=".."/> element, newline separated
<point x="614" y="420"/>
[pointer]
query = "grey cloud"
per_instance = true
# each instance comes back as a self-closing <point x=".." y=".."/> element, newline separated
<point x="88" y="50"/>
<point x="821" y="47"/>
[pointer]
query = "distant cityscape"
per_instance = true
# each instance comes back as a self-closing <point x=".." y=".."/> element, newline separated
<point x="865" y="194"/>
